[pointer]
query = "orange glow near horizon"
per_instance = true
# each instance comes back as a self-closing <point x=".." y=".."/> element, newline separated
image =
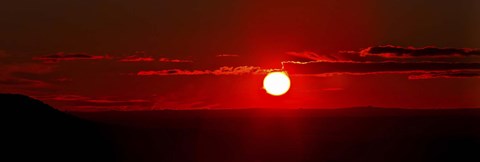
<point x="276" y="83"/>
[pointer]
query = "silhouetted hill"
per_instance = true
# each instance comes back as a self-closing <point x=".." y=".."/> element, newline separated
<point x="35" y="131"/>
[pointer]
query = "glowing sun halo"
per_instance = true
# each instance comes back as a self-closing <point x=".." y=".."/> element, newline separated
<point x="276" y="83"/>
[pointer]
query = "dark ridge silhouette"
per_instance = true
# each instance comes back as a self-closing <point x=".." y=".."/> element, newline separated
<point x="34" y="131"/>
<point x="38" y="132"/>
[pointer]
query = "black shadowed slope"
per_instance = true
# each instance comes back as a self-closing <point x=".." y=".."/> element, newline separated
<point x="34" y="131"/>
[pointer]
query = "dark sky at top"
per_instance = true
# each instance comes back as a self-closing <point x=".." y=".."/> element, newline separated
<point x="184" y="27"/>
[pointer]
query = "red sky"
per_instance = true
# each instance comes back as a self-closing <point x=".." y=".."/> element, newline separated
<point x="128" y="55"/>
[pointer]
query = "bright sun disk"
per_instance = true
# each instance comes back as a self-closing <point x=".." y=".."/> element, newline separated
<point x="276" y="83"/>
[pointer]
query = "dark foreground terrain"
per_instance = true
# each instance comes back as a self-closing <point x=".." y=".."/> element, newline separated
<point x="257" y="135"/>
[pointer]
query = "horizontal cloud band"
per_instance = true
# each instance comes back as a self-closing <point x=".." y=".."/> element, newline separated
<point x="226" y="70"/>
<point x="365" y="67"/>
<point x="397" y="51"/>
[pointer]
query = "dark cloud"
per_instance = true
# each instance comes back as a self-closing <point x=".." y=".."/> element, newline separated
<point x="13" y="74"/>
<point x="366" y="67"/>
<point x="24" y="86"/>
<point x="447" y="74"/>
<point x="226" y="70"/>
<point x="141" y="56"/>
<point x="22" y="82"/>
<point x="33" y="68"/>
<point x="84" y="103"/>
<point x="309" y="56"/>
<point x="64" y="97"/>
<point x="62" y="56"/>
<point x="135" y="58"/>
<point x="174" y="60"/>
<point x="391" y="53"/>
<point x="228" y="55"/>
<point x="397" y="51"/>
<point x="107" y="102"/>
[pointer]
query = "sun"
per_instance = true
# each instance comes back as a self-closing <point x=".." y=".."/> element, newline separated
<point x="276" y="83"/>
